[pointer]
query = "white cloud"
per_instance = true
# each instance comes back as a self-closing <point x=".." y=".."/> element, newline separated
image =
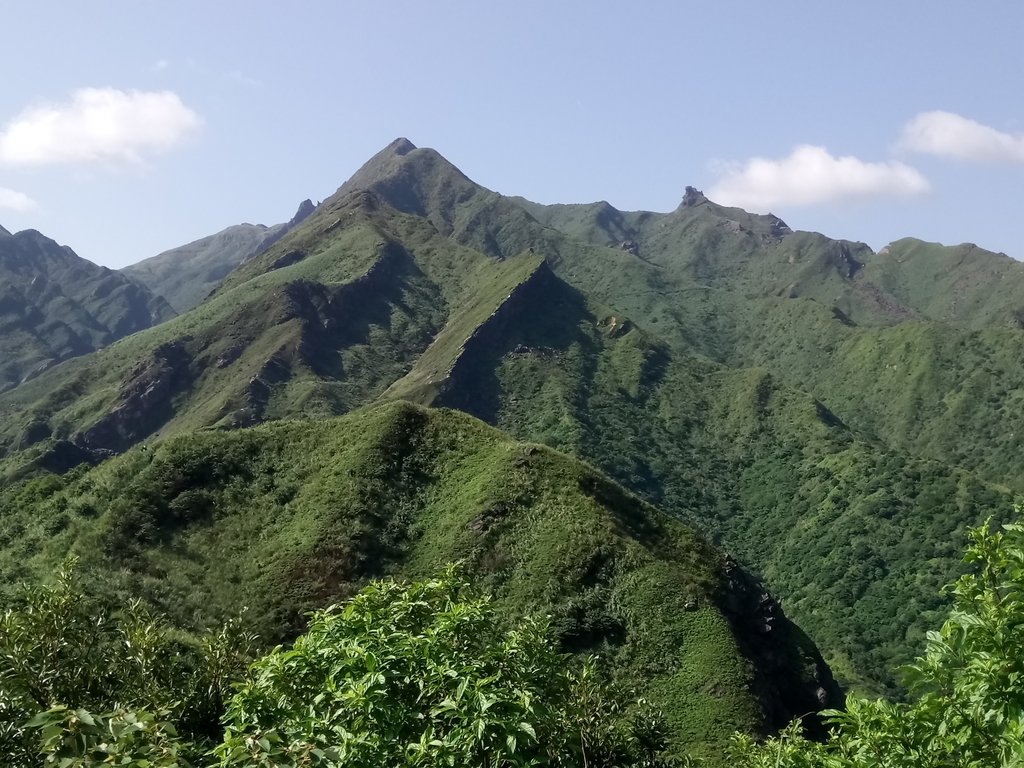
<point x="16" y="201"/>
<point x="810" y="175"/>
<point x="950" y="135"/>
<point x="104" y="125"/>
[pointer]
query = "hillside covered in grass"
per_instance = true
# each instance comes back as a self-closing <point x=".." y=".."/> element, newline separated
<point x="833" y="417"/>
<point x="186" y="275"/>
<point x="289" y="517"/>
<point x="55" y="305"/>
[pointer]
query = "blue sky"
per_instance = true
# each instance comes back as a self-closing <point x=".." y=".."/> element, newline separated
<point x="127" y="128"/>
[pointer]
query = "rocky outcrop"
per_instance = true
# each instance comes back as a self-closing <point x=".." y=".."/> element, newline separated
<point x="779" y="228"/>
<point x="144" y="403"/>
<point x="841" y="257"/>
<point x="274" y="234"/>
<point x="692" y="197"/>
<point x="791" y="676"/>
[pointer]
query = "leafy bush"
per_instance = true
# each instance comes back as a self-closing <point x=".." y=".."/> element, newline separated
<point x="416" y="675"/>
<point x="419" y="675"/>
<point x="71" y="655"/>
<point x="969" y="705"/>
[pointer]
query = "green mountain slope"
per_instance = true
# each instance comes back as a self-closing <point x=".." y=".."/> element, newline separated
<point x="186" y="275"/>
<point x="55" y="305"/>
<point x="758" y="383"/>
<point x="914" y="345"/>
<point x="287" y="517"/>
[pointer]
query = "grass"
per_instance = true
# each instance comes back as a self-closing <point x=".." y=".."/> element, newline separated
<point x="835" y="417"/>
<point x="286" y="517"/>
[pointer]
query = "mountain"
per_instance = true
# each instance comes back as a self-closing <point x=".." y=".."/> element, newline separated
<point x="834" y="417"/>
<point x="55" y="305"/>
<point x="186" y="275"/>
<point x="287" y="517"/>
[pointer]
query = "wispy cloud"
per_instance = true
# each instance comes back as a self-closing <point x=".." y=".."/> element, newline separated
<point x="98" y="125"/>
<point x="948" y="134"/>
<point x="19" y="202"/>
<point x="811" y="175"/>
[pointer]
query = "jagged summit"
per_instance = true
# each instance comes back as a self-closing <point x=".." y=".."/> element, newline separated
<point x="399" y="166"/>
<point x="400" y="146"/>
<point x="4" y="232"/>
<point x="692" y="197"/>
<point x="306" y="207"/>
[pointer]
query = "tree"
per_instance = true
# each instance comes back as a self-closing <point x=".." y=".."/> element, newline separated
<point x="88" y="672"/>
<point x="419" y="675"/>
<point x="968" y="710"/>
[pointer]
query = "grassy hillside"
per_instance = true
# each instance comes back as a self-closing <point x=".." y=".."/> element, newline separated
<point x="287" y="517"/>
<point x="186" y="275"/>
<point x="55" y="305"/>
<point x="778" y="390"/>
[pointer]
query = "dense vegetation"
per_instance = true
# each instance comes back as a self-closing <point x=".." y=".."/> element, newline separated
<point x="416" y="675"/>
<point x="288" y="517"/>
<point x="836" y="418"/>
<point x="424" y="675"/>
<point x="968" y="705"/>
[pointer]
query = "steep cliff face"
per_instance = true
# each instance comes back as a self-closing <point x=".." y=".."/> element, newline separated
<point x="791" y="676"/>
<point x="144" y="403"/>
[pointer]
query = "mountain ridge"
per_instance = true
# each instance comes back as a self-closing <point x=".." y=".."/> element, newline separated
<point x="186" y="275"/>
<point x="55" y="305"/>
<point x="400" y="490"/>
<point x="759" y="383"/>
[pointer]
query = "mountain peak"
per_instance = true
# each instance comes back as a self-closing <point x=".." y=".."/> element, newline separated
<point x="692" y="197"/>
<point x="400" y="146"/>
<point x="306" y="207"/>
<point x="4" y="232"/>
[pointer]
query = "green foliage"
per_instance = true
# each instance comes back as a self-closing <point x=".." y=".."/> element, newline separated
<point x="186" y="275"/>
<point x="69" y="653"/>
<point x="76" y="738"/>
<point x="293" y="516"/>
<point x="968" y="706"/>
<point x="836" y="418"/>
<point x="402" y="674"/>
<point x="419" y="675"/>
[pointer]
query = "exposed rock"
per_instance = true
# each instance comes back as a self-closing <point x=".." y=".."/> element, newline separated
<point x="292" y="257"/>
<point x="779" y="228"/>
<point x="145" y="401"/>
<point x="788" y="681"/>
<point x="36" y="431"/>
<point x="400" y="146"/>
<point x="229" y="355"/>
<point x="692" y="197"/>
<point x="489" y="517"/>
<point x="630" y="246"/>
<point x="842" y="317"/>
<point x="615" y="327"/>
<point x="65" y="455"/>
<point x="306" y="208"/>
